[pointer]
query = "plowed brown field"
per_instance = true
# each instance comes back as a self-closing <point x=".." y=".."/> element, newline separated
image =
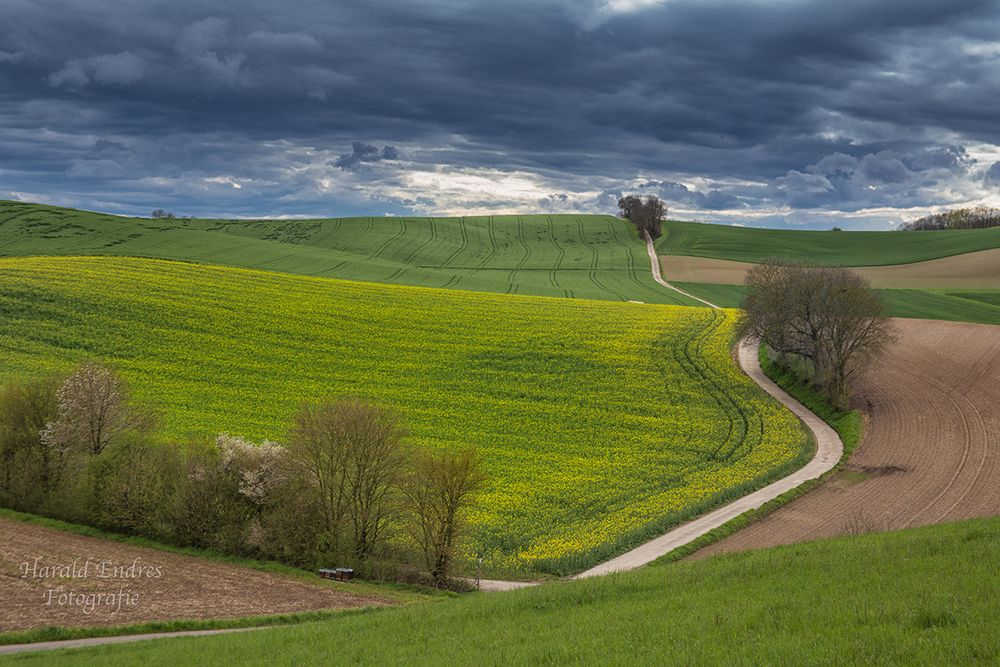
<point x="931" y="449"/>
<point x="974" y="270"/>
<point x="168" y="587"/>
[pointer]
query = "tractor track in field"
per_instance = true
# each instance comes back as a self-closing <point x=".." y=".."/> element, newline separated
<point x="512" y="286"/>
<point x="419" y="249"/>
<point x="931" y="448"/>
<point x="465" y="244"/>
<point x="561" y="254"/>
<point x="594" y="261"/>
<point x="382" y="248"/>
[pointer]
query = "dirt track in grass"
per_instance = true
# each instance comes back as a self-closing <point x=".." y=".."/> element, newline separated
<point x="931" y="449"/>
<point x="974" y="270"/>
<point x="187" y="588"/>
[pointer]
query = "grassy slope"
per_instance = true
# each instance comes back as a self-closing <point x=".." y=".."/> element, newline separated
<point x="921" y="596"/>
<point x="544" y="387"/>
<point x="964" y="306"/>
<point x="747" y="244"/>
<point x="587" y="256"/>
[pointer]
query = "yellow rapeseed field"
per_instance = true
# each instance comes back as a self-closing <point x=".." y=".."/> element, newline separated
<point x="599" y="422"/>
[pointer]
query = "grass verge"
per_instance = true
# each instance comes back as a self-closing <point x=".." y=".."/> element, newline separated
<point x="923" y="596"/>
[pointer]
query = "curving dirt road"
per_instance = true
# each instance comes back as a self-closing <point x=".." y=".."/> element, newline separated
<point x="931" y="450"/>
<point x="829" y="450"/>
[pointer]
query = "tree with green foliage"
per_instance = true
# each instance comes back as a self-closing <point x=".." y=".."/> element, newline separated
<point x="29" y="466"/>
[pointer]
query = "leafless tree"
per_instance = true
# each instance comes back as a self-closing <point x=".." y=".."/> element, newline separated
<point x="646" y="213"/>
<point x="93" y="409"/>
<point x="355" y="457"/>
<point x="827" y="316"/>
<point x="439" y="490"/>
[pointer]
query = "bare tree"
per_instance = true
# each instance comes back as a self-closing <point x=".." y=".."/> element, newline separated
<point x="439" y="490"/>
<point x="93" y="409"/>
<point x="646" y="213"/>
<point x="316" y="443"/>
<point x="354" y="455"/>
<point x="827" y="316"/>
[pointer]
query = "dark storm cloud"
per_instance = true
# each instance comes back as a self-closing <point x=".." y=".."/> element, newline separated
<point x="722" y="105"/>
<point x="362" y="152"/>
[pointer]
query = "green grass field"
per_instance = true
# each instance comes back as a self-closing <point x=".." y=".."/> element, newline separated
<point x="585" y="256"/>
<point x="601" y="423"/>
<point x="922" y="596"/>
<point x="964" y="306"/>
<point x="746" y="244"/>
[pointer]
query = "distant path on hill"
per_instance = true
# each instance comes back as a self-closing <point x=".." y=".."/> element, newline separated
<point x="829" y="450"/>
<point x="654" y="265"/>
<point x="931" y="449"/>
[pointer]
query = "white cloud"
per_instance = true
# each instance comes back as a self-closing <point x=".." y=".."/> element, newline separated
<point x="590" y="14"/>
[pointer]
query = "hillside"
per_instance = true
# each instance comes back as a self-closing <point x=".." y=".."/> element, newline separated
<point x="828" y="248"/>
<point x="585" y="256"/>
<point x="921" y="596"/>
<point x="545" y="388"/>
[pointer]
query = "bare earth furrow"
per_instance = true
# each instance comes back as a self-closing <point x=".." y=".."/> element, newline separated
<point x="931" y="450"/>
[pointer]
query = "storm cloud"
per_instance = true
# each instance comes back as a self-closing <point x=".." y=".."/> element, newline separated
<point x="764" y="112"/>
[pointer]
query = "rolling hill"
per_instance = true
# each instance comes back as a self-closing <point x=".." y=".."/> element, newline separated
<point x="825" y="248"/>
<point x="545" y="388"/>
<point x="581" y="256"/>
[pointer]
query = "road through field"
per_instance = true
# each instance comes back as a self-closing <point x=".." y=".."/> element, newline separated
<point x="931" y="449"/>
<point x="829" y="450"/>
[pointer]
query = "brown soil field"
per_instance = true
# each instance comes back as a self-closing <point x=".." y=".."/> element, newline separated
<point x="931" y="448"/>
<point x="168" y="587"/>
<point x="974" y="270"/>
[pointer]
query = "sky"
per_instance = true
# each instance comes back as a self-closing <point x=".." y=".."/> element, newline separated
<point x="781" y="113"/>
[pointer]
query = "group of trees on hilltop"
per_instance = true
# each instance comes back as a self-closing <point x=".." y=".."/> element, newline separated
<point x="345" y="489"/>
<point x="646" y="213"/>
<point x="979" y="217"/>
